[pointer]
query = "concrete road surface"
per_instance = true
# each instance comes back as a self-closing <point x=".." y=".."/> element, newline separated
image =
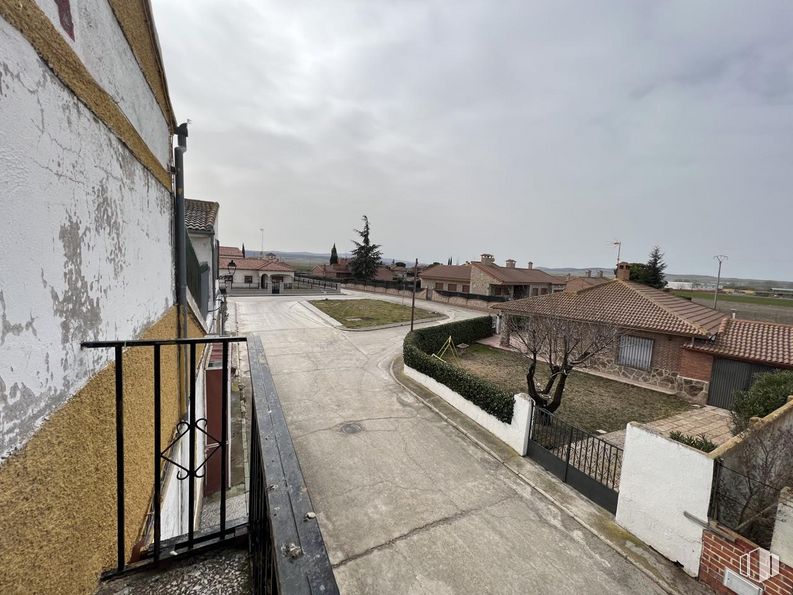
<point x="405" y="502"/>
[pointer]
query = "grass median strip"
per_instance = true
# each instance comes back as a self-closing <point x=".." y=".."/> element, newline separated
<point x="365" y="313"/>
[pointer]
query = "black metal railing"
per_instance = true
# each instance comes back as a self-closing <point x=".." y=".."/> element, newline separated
<point x="189" y="425"/>
<point x="288" y="553"/>
<point x="745" y="502"/>
<point x="286" y="547"/>
<point x="313" y="283"/>
<point x="586" y="462"/>
<point x="472" y="296"/>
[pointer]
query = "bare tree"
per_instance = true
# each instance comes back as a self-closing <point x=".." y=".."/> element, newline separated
<point x="560" y="343"/>
<point x="750" y="483"/>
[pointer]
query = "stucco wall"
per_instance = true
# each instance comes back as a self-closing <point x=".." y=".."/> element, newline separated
<point x="655" y="494"/>
<point x="86" y="251"/>
<point x="102" y="47"/>
<point x="57" y="494"/>
<point x="515" y="434"/>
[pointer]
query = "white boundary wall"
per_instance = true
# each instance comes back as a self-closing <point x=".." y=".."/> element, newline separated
<point x="661" y="481"/>
<point x="516" y="434"/>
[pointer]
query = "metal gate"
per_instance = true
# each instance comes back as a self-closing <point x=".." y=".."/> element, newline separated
<point x="585" y="462"/>
<point x="729" y="377"/>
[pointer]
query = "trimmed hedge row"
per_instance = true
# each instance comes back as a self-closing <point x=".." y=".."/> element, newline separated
<point x="419" y="346"/>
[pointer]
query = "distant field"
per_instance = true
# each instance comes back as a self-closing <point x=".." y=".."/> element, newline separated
<point x="741" y="299"/>
<point x="364" y="313"/>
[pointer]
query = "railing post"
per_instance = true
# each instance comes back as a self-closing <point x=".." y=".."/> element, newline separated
<point x="224" y="437"/>
<point x="567" y="456"/>
<point x="157" y="450"/>
<point x="120" y="522"/>
<point x="191" y="455"/>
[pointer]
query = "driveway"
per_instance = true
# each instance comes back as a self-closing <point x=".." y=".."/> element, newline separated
<point x="405" y="502"/>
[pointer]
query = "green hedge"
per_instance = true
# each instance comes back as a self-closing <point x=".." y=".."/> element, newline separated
<point x="419" y="346"/>
<point x="768" y="392"/>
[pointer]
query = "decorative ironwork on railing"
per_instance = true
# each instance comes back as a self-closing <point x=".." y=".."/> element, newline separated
<point x="287" y="551"/>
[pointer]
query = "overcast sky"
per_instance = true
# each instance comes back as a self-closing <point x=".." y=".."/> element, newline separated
<point x="536" y="131"/>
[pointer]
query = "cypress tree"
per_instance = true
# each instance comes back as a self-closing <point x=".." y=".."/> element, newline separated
<point x="334" y="256"/>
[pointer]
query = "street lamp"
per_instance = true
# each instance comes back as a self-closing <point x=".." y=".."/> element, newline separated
<point x="232" y="268"/>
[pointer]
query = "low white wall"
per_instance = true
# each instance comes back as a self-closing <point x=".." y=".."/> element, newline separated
<point x="516" y="434"/>
<point x="662" y="480"/>
<point x="782" y="542"/>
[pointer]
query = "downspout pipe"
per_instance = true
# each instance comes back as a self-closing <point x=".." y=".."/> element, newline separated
<point x="181" y="232"/>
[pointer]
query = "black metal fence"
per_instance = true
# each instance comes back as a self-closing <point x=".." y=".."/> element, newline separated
<point x="189" y="425"/>
<point x="484" y="298"/>
<point x="401" y="285"/>
<point x="586" y="462"/>
<point x="744" y="503"/>
<point x="302" y="281"/>
<point x="287" y="550"/>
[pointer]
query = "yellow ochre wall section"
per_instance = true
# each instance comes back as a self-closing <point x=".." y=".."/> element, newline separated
<point x="58" y="493"/>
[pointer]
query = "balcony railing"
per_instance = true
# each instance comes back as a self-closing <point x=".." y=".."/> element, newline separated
<point x="287" y="552"/>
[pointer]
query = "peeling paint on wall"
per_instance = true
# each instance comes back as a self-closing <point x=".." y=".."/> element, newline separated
<point x="87" y="246"/>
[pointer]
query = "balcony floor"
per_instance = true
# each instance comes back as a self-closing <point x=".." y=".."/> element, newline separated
<point x="221" y="571"/>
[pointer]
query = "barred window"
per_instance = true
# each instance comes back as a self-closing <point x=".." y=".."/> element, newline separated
<point x="636" y="352"/>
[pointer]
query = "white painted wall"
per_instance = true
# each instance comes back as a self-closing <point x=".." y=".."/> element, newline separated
<point x="662" y="480"/>
<point x="86" y="248"/>
<point x="103" y="49"/>
<point x="515" y="434"/>
<point x="782" y="541"/>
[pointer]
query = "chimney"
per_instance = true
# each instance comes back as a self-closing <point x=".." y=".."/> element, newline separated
<point x="510" y="263"/>
<point x="588" y="273"/>
<point x="488" y="259"/>
<point x="531" y="265"/>
<point x="624" y="271"/>
<point x="600" y="274"/>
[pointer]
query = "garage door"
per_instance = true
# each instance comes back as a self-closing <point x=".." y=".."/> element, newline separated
<point x="728" y="378"/>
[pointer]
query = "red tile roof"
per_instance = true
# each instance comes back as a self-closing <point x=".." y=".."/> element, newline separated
<point x="752" y="340"/>
<point x="624" y="304"/>
<point x="517" y="276"/>
<point x="230" y="251"/>
<point x="255" y="264"/>
<point x="457" y="272"/>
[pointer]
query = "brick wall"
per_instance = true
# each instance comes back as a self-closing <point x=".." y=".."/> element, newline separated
<point x="695" y="364"/>
<point x="719" y="554"/>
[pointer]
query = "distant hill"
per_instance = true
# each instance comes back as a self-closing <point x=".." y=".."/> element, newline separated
<point x="308" y="260"/>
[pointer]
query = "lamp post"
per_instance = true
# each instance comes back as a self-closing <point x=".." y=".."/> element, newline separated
<point x="232" y="268"/>
<point x="413" y="301"/>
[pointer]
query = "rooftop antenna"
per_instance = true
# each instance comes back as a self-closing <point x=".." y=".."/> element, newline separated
<point x="618" y="244"/>
<point x="261" y="254"/>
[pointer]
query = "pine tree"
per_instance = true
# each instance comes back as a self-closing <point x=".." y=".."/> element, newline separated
<point x="655" y="269"/>
<point x="334" y="256"/>
<point x="366" y="256"/>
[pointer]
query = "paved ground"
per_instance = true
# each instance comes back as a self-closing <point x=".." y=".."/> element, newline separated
<point x="711" y="421"/>
<point x="407" y="504"/>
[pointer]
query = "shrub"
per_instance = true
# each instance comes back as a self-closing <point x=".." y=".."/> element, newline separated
<point x="768" y="392"/>
<point x="700" y="442"/>
<point x="419" y="346"/>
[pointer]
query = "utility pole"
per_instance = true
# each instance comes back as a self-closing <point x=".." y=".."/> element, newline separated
<point x="618" y="244"/>
<point x="720" y="258"/>
<point x="261" y="254"/>
<point x="413" y="303"/>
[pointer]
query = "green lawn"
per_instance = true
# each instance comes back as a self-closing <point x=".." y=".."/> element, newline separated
<point x="365" y="313"/>
<point x="589" y="402"/>
<point x="744" y="299"/>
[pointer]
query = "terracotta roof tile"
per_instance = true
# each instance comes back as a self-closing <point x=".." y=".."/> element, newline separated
<point x="256" y="264"/>
<point x="752" y="340"/>
<point x="518" y="276"/>
<point x="230" y="251"/>
<point x="452" y="272"/>
<point x="624" y="304"/>
<point x="200" y="215"/>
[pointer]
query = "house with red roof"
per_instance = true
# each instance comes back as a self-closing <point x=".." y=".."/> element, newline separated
<point x="487" y="278"/>
<point x="268" y="273"/>
<point x="664" y="340"/>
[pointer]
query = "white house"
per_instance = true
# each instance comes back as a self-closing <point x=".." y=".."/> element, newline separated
<point x="269" y="274"/>
<point x="201" y="220"/>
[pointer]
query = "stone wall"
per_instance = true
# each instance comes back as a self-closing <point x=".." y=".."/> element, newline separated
<point x="480" y="282"/>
